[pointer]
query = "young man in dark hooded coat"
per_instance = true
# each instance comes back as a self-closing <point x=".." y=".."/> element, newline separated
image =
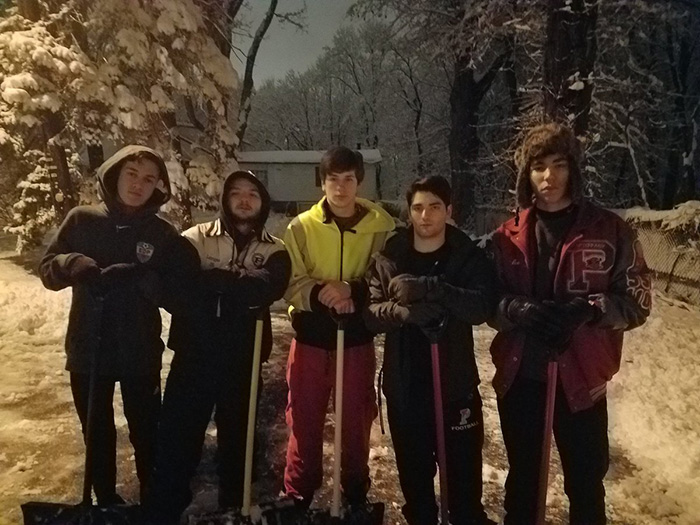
<point x="115" y="256"/>
<point x="243" y="271"/>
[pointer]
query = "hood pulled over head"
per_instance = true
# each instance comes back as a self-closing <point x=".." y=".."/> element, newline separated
<point x="225" y="213"/>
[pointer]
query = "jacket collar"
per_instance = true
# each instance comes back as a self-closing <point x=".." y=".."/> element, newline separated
<point x="587" y="216"/>
<point x="216" y="229"/>
<point x="402" y="241"/>
<point x="376" y="220"/>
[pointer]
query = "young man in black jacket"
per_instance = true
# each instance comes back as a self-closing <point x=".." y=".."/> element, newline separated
<point x="429" y="274"/>
<point x="114" y="256"/>
<point x="243" y="271"/>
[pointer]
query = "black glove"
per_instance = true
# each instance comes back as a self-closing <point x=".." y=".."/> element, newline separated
<point x="408" y="289"/>
<point x="83" y="269"/>
<point x="421" y="314"/>
<point x="578" y="312"/>
<point x="217" y="280"/>
<point x="117" y="274"/>
<point x="534" y="316"/>
<point x="570" y="317"/>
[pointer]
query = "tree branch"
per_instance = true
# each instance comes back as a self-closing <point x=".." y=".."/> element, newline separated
<point x="247" y="91"/>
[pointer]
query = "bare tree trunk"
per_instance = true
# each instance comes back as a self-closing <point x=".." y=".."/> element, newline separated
<point x="52" y="127"/>
<point x="247" y="91"/>
<point x="668" y="200"/>
<point x="96" y="156"/>
<point x="184" y="197"/>
<point x="680" y="178"/>
<point x="465" y="98"/>
<point x="689" y="159"/>
<point x="570" y="54"/>
<point x="463" y="140"/>
<point x="29" y="9"/>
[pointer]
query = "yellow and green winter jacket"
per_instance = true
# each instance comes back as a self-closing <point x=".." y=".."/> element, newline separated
<point x="320" y="251"/>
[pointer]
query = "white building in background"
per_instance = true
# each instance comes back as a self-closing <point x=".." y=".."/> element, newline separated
<point x="293" y="179"/>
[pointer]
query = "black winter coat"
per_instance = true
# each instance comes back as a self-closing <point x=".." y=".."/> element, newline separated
<point x="123" y="321"/>
<point x="467" y="291"/>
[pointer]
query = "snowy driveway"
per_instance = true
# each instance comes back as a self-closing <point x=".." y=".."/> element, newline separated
<point x="654" y="413"/>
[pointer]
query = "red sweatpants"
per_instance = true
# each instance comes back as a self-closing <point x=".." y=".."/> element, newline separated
<point x="311" y="377"/>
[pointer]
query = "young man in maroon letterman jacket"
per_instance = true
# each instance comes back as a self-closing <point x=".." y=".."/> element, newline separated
<point x="573" y="279"/>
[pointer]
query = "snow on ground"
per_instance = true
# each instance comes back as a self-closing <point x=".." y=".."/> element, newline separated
<point x="654" y="419"/>
<point x="655" y="416"/>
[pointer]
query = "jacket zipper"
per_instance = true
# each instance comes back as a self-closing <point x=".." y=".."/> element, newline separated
<point x="342" y="244"/>
<point x="230" y="267"/>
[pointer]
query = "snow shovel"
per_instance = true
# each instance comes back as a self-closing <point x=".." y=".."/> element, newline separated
<point x="433" y="335"/>
<point x="373" y="514"/>
<point x="84" y="513"/>
<point x="547" y="442"/>
<point x="271" y="513"/>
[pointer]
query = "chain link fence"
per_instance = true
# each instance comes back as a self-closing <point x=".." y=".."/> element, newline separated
<point x="674" y="257"/>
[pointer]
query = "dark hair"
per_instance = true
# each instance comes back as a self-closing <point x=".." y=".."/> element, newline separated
<point x="541" y="141"/>
<point x="141" y="156"/>
<point x="434" y="184"/>
<point x="339" y="159"/>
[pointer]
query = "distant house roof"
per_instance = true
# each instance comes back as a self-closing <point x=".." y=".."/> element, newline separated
<point x="371" y="156"/>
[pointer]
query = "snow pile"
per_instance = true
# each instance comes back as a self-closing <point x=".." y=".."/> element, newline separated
<point x="31" y="311"/>
<point x="655" y="417"/>
<point x="685" y="216"/>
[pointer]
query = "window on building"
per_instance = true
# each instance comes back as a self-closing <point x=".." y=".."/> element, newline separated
<point x="318" y="176"/>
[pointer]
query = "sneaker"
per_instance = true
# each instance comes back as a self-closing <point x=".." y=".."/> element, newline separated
<point x="365" y="513"/>
<point x="302" y="503"/>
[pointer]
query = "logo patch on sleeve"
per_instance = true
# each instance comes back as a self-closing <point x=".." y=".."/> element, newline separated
<point x="258" y="260"/>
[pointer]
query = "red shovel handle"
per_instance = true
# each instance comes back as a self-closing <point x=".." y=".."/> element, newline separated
<point x="547" y="441"/>
<point x="440" y="432"/>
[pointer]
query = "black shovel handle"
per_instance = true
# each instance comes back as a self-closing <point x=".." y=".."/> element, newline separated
<point x="340" y="319"/>
<point x="92" y="390"/>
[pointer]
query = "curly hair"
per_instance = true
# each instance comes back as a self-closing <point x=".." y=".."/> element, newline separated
<point x="543" y="140"/>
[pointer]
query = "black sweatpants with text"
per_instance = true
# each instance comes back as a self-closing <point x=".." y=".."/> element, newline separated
<point x="413" y="435"/>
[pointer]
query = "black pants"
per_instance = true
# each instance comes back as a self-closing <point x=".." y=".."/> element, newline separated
<point x="141" y="398"/>
<point x="194" y="387"/>
<point x="582" y="441"/>
<point x="413" y="434"/>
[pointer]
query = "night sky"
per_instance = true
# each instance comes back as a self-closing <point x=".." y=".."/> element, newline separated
<point x="285" y="47"/>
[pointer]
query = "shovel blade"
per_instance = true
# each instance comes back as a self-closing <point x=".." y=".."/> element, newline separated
<point x="285" y="513"/>
<point x="370" y="514"/>
<point x="40" y="513"/>
<point x="281" y="512"/>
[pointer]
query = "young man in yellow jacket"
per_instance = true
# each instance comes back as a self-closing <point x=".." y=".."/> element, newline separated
<point x="330" y="246"/>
